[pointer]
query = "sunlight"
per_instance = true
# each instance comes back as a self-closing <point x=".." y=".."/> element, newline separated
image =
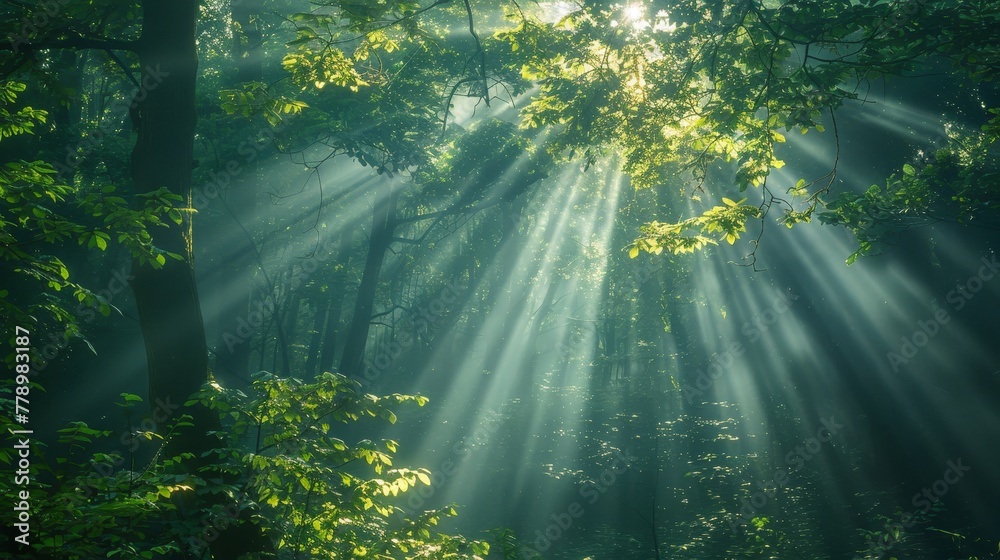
<point x="507" y="355"/>
<point x="552" y="12"/>
<point x="382" y="275"/>
<point x="634" y="13"/>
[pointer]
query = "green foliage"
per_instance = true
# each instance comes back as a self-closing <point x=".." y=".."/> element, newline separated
<point x="90" y="504"/>
<point x="677" y="91"/>
<point x="39" y="212"/>
<point x="332" y="43"/>
<point x="254" y="99"/>
<point x="687" y="236"/>
<point x="321" y="495"/>
<point x="21" y="121"/>
<point x="509" y="547"/>
<point x="763" y="540"/>
<point x="958" y="184"/>
<point x="315" y="493"/>
<point x="706" y="84"/>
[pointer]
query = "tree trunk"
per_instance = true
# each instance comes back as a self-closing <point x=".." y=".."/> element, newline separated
<point x="320" y="310"/>
<point x="290" y="322"/>
<point x="338" y="285"/>
<point x="383" y="226"/>
<point x="167" y="299"/>
<point x="329" y="345"/>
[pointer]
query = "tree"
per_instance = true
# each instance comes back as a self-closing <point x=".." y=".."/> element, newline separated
<point x="710" y="85"/>
<point x="163" y="114"/>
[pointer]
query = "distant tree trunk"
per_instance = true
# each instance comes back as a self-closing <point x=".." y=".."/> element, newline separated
<point x="610" y="349"/>
<point x="322" y="309"/>
<point x="288" y="331"/>
<point x="339" y="283"/>
<point x="328" y="351"/>
<point x="525" y="381"/>
<point x="71" y="76"/>
<point x="383" y="226"/>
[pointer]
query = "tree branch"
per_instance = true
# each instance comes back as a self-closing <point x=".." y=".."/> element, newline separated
<point x="481" y="52"/>
<point x="72" y="43"/>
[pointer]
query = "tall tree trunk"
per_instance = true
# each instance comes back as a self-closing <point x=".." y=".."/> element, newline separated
<point x="167" y="299"/>
<point x="70" y="68"/>
<point x="329" y="345"/>
<point x="290" y="321"/>
<point x="383" y="226"/>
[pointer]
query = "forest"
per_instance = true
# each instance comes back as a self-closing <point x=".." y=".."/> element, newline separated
<point x="500" y="279"/>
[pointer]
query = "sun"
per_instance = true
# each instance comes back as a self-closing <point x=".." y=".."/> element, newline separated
<point x="634" y="12"/>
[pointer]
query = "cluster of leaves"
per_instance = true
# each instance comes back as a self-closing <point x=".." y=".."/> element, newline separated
<point x="687" y="236"/>
<point x="905" y="539"/>
<point x="389" y="71"/>
<point x="341" y="42"/>
<point x="676" y="91"/>
<point x="958" y="183"/>
<point x="510" y="548"/>
<point x="95" y="504"/>
<point x="19" y="121"/>
<point x="323" y="496"/>
<point x="40" y="212"/>
<point x="254" y="98"/>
